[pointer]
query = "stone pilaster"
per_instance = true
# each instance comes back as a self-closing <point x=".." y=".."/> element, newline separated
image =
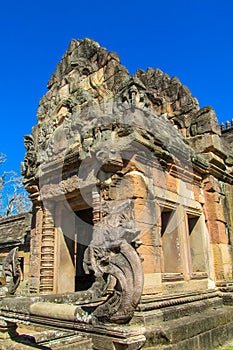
<point x="47" y="254"/>
<point x="216" y="224"/>
<point x="35" y="250"/>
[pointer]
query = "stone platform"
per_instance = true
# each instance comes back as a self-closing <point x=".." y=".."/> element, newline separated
<point x="197" y="321"/>
<point x="194" y="321"/>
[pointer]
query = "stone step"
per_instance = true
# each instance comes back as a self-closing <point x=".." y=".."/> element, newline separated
<point x="75" y="342"/>
<point x="206" y="330"/>
<point x="40" y="338"/>
<point x="172" y="299"/>
<point x="157" y="310"/>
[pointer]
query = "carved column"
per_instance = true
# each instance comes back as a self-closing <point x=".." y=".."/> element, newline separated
<point x="35" y="250"/>
<point x="96" y="203"/>
<point x="47" y="254"/>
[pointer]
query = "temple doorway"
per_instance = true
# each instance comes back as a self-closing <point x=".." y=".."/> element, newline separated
<point x="83" y="237"/>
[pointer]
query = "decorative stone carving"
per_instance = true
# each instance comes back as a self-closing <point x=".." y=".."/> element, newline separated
<point x="123" y="263"/>
<point x="29" y="165"/>
<point x="111" y="254"/>
<point x="134" y="95"/>
<point x="10" y="273"/>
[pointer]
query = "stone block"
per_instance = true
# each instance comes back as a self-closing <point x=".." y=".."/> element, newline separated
<point x="222" y="261"/>
<point x="187" y="344"/>
<point x="185" y="189"/>
<point x="212" y="196"/>
<point x="149" y="263"/>
<point x="142" y="210"/>
<point x="152" y="283"/>
<point x="171" y="183"/>
<point x="207" y="121"/>
<point x="197" y="327"/>
<point x="229" y="328"/>
<point x="64" y="91"/>
<point x="197" y="193"/>
<point x="213" y="208"/>
<point x="217" y="231"/>
<point x="219" y="335"/>
<point x="205" y="341"/>
<point x="159" y="178"/>
<point x="59" y="311"/>
<point x="178" y="333"/>
<point x="211" y="184"/>
<point x="131" y="186"/>
<point x="207" y="143"/>
<point x="226" y="260"/>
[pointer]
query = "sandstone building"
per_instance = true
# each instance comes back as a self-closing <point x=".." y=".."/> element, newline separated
<point x="131" y="185"/>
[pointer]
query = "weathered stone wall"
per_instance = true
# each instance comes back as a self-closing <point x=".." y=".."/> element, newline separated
<point x="216" y="213"/>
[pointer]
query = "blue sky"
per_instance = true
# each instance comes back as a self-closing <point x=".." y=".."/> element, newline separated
<point x="191" y="39"/>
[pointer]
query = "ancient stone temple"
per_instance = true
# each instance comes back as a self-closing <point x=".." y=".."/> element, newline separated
<point x="131" y="237"/>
